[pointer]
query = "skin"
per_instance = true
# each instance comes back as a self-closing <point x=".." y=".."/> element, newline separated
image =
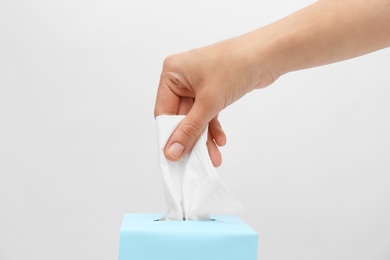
<point x="201" y="82"/>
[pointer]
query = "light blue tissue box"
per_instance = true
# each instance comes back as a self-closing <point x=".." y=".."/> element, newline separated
<point x="226" y="237"/>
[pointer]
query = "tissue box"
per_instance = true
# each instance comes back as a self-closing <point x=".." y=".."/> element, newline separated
<point x="225" y="237"/>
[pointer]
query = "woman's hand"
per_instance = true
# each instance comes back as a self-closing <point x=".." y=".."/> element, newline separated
<point x="200" y="83"/>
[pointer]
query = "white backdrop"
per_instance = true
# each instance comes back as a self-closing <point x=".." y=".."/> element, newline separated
<point x="308" y="156"/>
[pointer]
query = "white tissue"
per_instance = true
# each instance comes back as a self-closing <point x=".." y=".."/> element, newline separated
<point x="192" y="187"/>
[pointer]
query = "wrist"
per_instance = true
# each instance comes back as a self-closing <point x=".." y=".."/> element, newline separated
<point x="258" y="52"/>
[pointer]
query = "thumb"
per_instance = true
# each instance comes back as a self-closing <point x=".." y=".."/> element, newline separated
<point x="188" y="131"/>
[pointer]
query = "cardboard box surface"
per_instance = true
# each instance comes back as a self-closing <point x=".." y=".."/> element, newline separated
<point x="225" y="237"/>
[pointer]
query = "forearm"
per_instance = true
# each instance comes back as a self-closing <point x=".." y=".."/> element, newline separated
<point x="324" y="32"/>
<point x="203" y="81"/>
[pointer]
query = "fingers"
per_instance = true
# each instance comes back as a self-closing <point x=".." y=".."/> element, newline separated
<point x="216" y="137"/>
<point x="175" y="96"/>
<point x="216" y="132"/>
<point x="173" y="87"/>
<point x="167" y="102"/>
<point x="188" y="131"/>
<point x="185" y="105"/>
<point x="214" y="153"/>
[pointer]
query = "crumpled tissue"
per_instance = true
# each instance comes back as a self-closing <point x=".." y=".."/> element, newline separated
<point x="192" y="186"/>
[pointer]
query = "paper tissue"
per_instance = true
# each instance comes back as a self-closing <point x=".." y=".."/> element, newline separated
<point x="192" y="187"/>
<point x="192" y="190"/>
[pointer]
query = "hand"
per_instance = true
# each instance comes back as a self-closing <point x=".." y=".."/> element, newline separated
<point x="200" y="83"/>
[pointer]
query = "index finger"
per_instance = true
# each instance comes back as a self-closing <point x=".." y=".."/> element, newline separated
<point x="167" y="101"/>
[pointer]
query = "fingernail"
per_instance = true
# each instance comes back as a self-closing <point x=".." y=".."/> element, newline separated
<point x="175" y="150"/>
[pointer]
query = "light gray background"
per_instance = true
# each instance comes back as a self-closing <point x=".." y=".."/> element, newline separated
<point x="308" y="157"/>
